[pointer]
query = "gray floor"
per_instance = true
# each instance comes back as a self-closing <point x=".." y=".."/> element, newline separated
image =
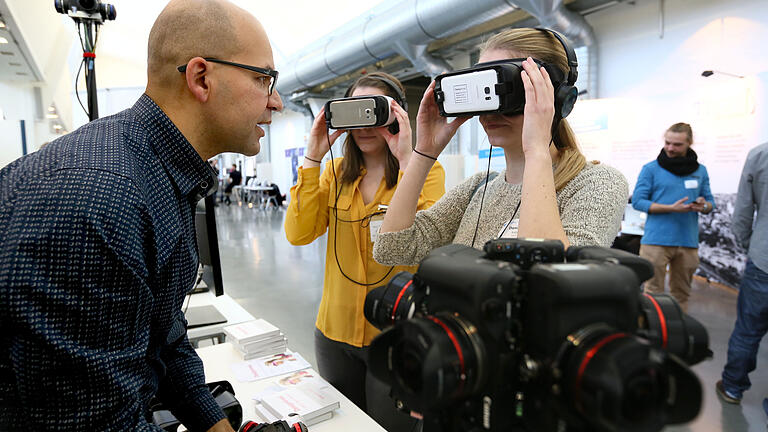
<point x="283" y="283"/>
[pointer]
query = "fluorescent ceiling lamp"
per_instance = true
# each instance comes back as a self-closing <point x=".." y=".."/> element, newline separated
<point x="3" y="40"/>
<point x="2" y="24"/>
<point x="52" y="116"/>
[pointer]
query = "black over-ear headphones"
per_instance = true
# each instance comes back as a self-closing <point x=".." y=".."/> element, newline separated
<point x="394" y="128"/>
<point x="565" y="91"/>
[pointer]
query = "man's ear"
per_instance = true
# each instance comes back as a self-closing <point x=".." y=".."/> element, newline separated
<point x="198" y="80"/>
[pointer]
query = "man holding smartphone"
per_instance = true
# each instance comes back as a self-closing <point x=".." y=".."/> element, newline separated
<point x="98" y="241"/>
<point x="673" y="190"/>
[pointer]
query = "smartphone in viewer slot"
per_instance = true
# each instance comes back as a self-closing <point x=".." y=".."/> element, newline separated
<point x="470" y="92"/>
<point x="359" y="112"/>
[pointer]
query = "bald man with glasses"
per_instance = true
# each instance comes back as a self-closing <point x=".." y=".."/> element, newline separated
<point x="98" y="248"/>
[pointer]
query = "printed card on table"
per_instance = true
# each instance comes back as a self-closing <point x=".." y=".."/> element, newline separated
<point x="270" y="366"/>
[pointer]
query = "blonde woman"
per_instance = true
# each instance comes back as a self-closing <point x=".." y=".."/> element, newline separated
<point x="544" y="192"/>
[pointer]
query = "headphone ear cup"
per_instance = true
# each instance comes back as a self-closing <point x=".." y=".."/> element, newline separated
<point x="565" y="99"/>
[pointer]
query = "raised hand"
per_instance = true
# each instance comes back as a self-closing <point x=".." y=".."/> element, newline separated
<point x="539" y="109"/>
<point x="400" y="143"/>
<point x="433" y="131"/>
<point x="317" y="146"/>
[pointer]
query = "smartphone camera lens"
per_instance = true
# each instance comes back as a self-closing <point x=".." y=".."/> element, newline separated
<point x="487" y="90"/>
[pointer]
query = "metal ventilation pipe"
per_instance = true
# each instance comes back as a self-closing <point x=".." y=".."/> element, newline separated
<point x="553" y="14"/>
<point x="405" y="27"/>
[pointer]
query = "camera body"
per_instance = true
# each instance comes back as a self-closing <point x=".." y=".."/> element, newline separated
<point x="358" y="112"/>
<point x="533" y="343"/>
<point x="93" y="10"/>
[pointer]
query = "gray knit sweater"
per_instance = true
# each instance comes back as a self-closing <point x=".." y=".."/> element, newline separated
<point x="591" y="206"/>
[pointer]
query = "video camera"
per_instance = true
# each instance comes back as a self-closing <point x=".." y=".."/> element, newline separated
<point x="93" y="10"/>
<point x="526" y="337"/>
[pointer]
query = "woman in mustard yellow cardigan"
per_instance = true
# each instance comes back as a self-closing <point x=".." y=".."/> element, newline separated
<point x="373" y="162"/>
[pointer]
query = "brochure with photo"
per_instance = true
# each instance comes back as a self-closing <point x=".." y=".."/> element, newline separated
<point x="270" y="366"/>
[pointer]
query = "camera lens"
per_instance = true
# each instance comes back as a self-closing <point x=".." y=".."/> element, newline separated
<point x="430" y="361"/>
<point x="666" y="326"/>
<point x="392" y="302"/>
<point x="89" y="6"/>
<point x="59" y="6"/>
<point x="616" y="380"/>
<point x="487" y="90"/>
<point x="108" y="12"/>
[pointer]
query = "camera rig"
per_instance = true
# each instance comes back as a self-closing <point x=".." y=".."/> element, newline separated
<point x="525" y="336"/>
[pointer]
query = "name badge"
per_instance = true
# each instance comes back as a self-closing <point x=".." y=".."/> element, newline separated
<point x="374" y="226"/>
<point x="692" y="184"/>
<point x="509" y="230"/>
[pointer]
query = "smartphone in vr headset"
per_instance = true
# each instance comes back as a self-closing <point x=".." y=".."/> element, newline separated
<point x="359" y="112"/>
<point x="492" y="87"/>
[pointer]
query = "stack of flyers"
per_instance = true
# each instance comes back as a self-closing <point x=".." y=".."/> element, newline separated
<point x="256" y="338"/>
<point x="309" y="402"/>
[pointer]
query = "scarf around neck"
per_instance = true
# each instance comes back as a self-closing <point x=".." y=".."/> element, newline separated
<point x="679" y="166"/>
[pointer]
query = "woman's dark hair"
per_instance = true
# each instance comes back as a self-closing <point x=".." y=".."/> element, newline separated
<point x="353" y="157"/>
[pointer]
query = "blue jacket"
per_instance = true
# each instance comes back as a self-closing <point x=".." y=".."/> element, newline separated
<point x="657" y="185"/>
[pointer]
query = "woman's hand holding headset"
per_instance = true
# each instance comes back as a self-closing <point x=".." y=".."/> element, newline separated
<point x="400" y="143"/>
<point x="317" y="146"/>
<point x="539" y="109"/>
<point x="433" y="132"/>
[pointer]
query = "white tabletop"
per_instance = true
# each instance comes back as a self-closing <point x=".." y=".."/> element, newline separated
<point x="232" y="311"/>
<point x="217" y="359"/>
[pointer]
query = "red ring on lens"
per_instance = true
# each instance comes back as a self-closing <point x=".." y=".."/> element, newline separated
<point x="397" y="302"/>
<point x="456" y="346"/>
<point x="662" y="320"/>
<point x="588" y="357"/>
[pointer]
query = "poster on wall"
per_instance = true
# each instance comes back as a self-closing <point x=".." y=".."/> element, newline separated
<point x="724" y="116"/>
<point x="294" y="154"/>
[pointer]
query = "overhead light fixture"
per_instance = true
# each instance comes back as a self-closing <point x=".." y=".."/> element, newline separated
<point x="3" y="40"/>
<point x="709" y="73"/>
<point x="2" y="23"/>
<point x="57" y="127"/>
<point x="51" y="109"/>
<point x="52" y="116"/>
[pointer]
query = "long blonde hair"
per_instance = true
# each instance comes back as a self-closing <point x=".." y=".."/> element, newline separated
<point x="543" y="46"/>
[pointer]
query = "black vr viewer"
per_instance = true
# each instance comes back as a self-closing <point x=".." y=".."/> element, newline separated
<point x="496" y="87"/>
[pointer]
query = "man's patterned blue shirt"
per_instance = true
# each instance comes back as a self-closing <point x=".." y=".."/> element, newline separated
<point x="97" y="252"/>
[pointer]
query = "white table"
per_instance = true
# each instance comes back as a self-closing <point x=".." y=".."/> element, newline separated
<point x="216" y="360"/>
<point x="261" y="194"/>
<point x="226" y="305"/>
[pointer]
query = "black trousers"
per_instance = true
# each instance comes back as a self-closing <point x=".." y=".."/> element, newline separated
<point x="346" y="368"/>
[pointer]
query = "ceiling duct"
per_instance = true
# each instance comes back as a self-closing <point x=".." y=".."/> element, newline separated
<point x="403" y="27"/>
<point x="553" y="14"/>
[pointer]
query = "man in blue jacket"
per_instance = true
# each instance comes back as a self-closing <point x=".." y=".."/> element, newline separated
<point x="673" y="190"/>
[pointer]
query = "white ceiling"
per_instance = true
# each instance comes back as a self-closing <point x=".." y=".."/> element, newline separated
<point x="290" y="24"/>
<point x="13" y="64"/>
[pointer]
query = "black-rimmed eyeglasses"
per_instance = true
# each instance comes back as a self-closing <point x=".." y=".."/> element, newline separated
<point x="272" y="74"/>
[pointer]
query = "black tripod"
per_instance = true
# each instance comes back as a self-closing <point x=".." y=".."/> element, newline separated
<point x="88" y="38"/>
<point x="88" y="15"/>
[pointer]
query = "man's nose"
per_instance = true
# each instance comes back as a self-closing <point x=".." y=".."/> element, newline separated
<point x="275" y="103"/>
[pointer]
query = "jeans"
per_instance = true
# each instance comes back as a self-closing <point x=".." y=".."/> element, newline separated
<point x="751" y="326"/>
